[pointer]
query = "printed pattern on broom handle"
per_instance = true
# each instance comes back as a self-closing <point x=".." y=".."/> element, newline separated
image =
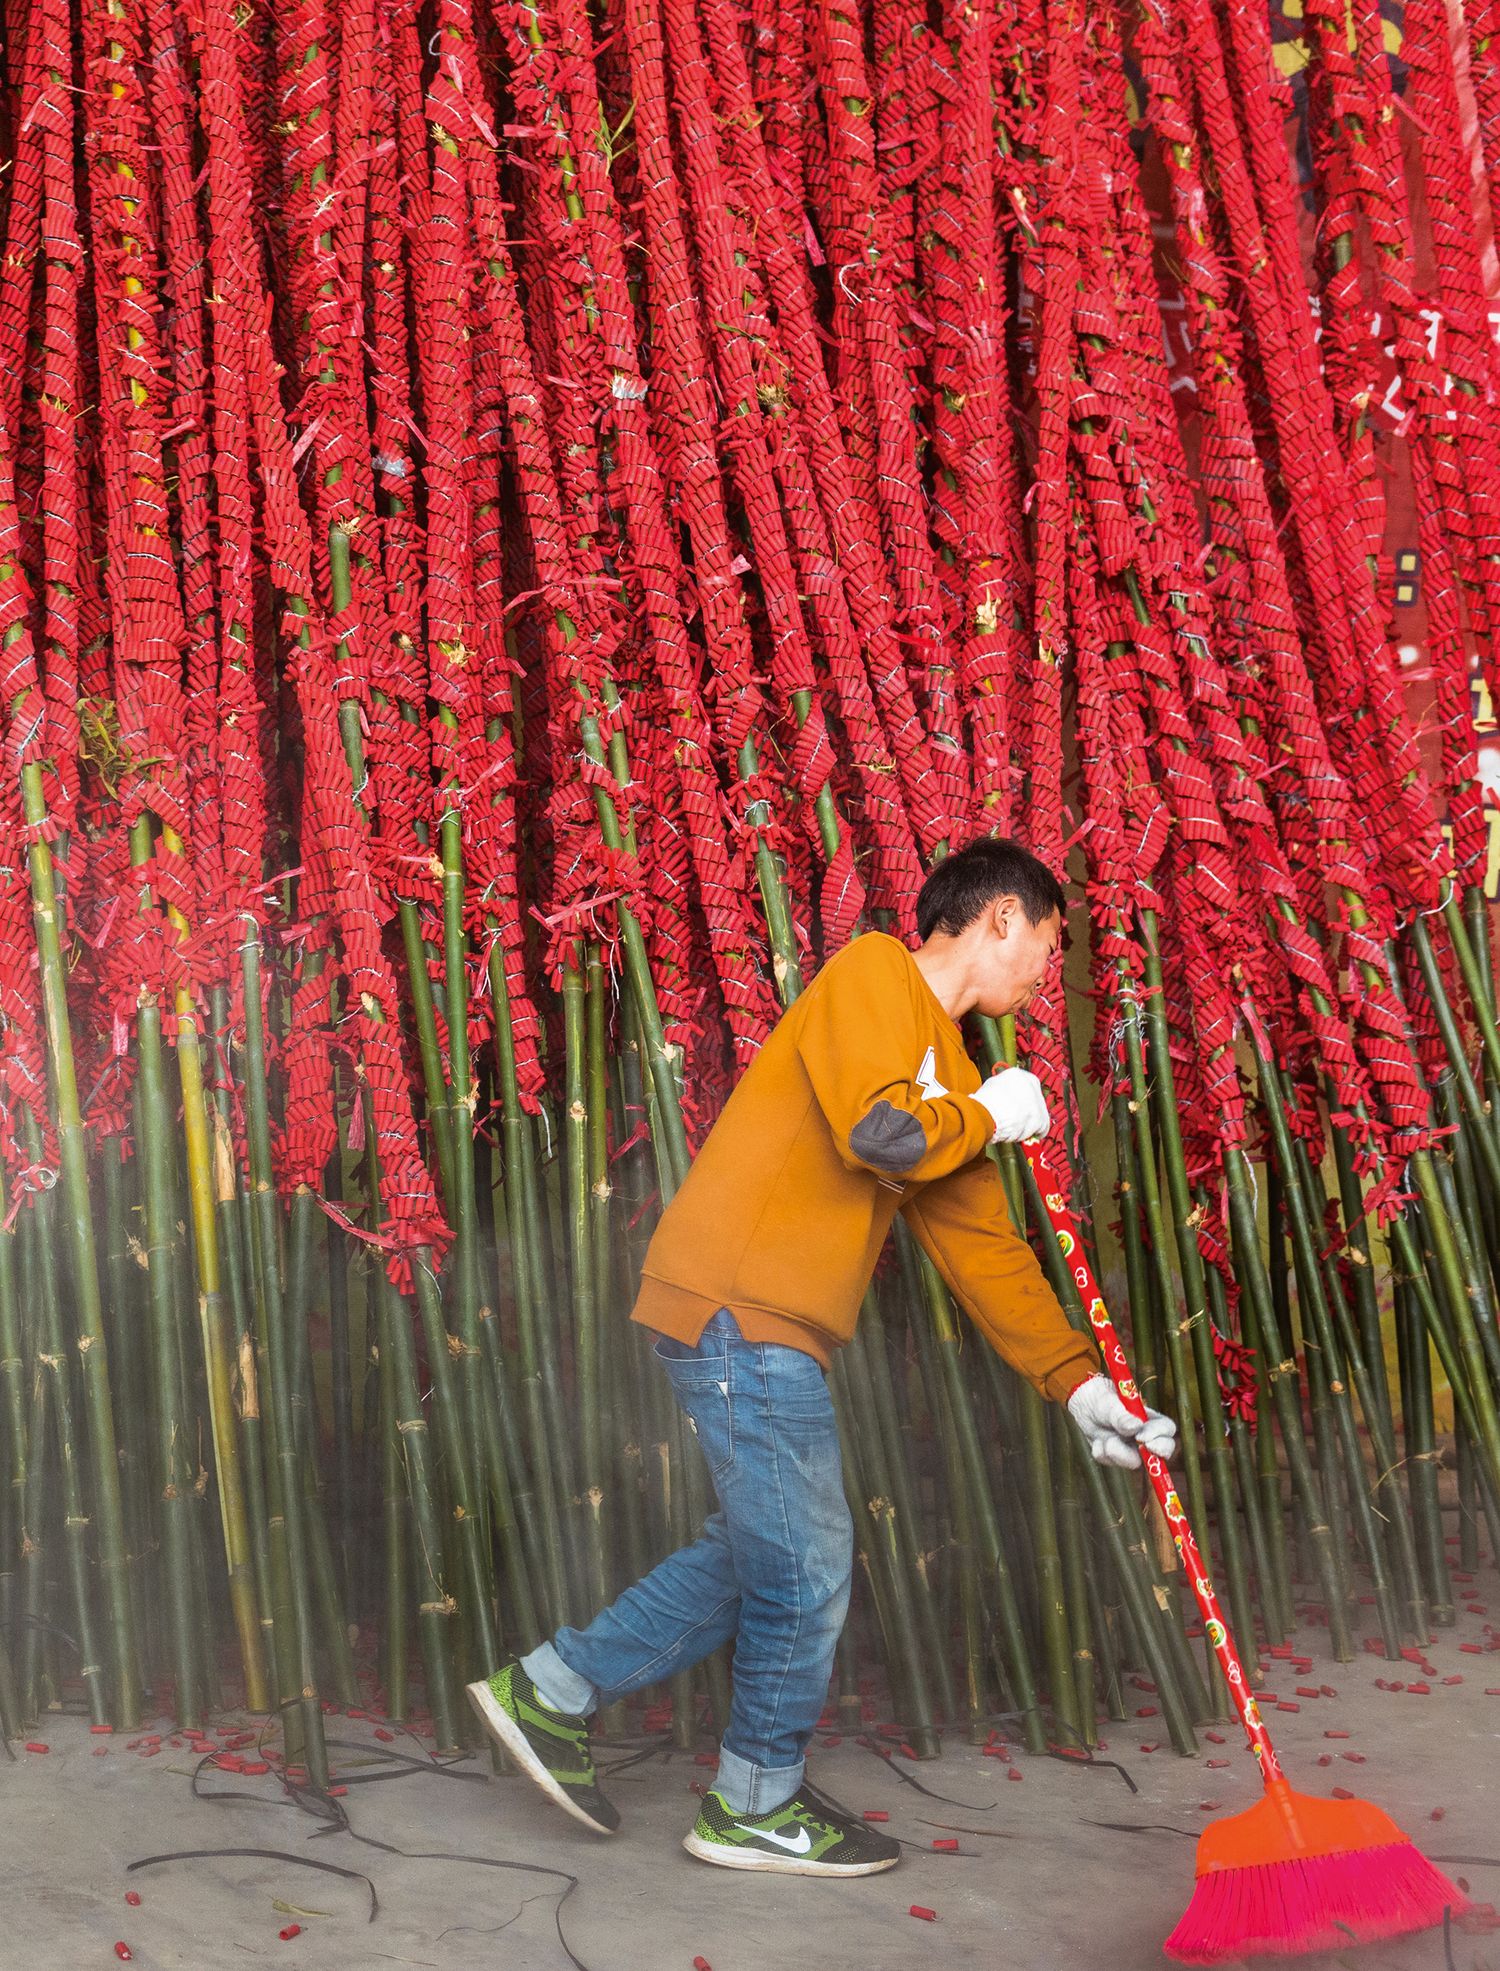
<point x="1215" y="1627"/>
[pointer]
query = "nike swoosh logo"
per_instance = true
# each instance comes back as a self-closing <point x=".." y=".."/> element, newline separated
<point x="795" y="1844"/>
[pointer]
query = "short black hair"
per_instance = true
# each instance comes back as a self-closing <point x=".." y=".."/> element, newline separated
<point x="965" y="882"/>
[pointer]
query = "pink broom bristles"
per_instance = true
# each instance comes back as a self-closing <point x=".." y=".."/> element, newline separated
<point x="1313" y="1903"/>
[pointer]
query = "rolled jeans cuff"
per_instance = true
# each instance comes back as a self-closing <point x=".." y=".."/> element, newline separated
<point x="748" y="1789"/>
<point x="556" y="1684"/>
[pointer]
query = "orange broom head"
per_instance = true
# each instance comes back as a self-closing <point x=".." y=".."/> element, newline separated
<point x="1299" y="1874"/>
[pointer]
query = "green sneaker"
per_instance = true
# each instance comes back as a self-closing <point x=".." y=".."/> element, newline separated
<point x="549" y="1746"/>
<point x="806" y="1836"/>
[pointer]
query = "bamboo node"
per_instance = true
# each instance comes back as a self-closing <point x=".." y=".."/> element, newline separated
<point x="249" y="1386"/>
<point x="603" y="1190"/>
<point x="447" y="1606"/>
<point x="595" y="1497"/>
<point x="1336" y="1388"/>
<point x="411" y="1423"/>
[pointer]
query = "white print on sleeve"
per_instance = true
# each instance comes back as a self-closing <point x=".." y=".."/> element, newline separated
<point x="927" y="1079"/>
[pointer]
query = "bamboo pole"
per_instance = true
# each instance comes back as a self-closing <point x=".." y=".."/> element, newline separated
<point x="266" y="1226"/>
<point x="88" y="1313"/>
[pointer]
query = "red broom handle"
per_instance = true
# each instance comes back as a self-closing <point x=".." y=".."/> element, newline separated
<point x="1215" y="1627"/>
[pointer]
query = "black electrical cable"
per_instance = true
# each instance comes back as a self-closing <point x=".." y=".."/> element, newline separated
<point x="335" y="1820"/>
<point x="969" y="1806"/>
<point x="261" y="1854"/>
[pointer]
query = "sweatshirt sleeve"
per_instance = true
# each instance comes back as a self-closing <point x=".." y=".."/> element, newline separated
<point x="862" y="1042"/>
<point x="964" y="1227"/>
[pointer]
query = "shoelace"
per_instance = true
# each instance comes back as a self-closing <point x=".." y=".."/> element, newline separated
<point x="831" y="1819"/>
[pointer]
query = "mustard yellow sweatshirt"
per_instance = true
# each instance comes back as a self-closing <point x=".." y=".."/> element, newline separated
<point x="857" y="1107"/>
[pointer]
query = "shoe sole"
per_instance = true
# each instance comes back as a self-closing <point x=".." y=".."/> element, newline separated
<point x="719" y="1856"/>
<point x="503" y="1728"/>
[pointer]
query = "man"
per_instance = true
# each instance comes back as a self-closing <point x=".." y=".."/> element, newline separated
<point x="863" y="1102"/>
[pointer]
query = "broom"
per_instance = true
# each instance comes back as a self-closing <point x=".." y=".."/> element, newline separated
<point x="1295" y="1873"/>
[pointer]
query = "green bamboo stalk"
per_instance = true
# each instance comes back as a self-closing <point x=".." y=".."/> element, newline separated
<point x="12" y="1422"/>
<point x="279" y="1365"/>
<point x="1073" y="1539"/>
<point x="1272" y="1343"/>
<point x="1472" y="965"/>
<point x="621" y="1511"/>
<point x="1467" y="1305"/>
<point x="88" y="1315"/>
<point x="351" y="734"/>
<point x="1156" y="1226"/>
<point x="303" y="1237"/>
<point x="1421" y="1452"/>
<point x="464" y="1211"/>
<point x="1268" y="1480"/>
<point x="1313" y="1303"/>
<point x="1477" y="922"/>
<point x="1473" y="1102"/>
<point x="340" y="1366"/>
<point x="1465" y="1490"/>
<point x="970" y="1617"/>
<point x="1153" y="1609"/>
<point x="877" y="1544"/>
<point x="436" y="1608"/>
<point x="52" y="1357"/>
<point x="1145" y="1316"/>
<point x="1362" y="1264"/>
<point x="1473" y="1401"/>
<point x="245" y="1381"/>
<point x="217" y="1355"/>
<point x="589" y="1393"/>
<point x="1270" y="1592"/>
<point x="916" y="1644"/>
<point x="1047" y="1567"/>
<point x="1374" y="1406"/>
<point x="132" y="1392"/>
<point x="999" y="1585"/>
<point x="10" y="1703"/>
<point x="35" y="1524"/>
<point x="1161" y="1120"/>
<point x="393" y="1671"/>
<point x="873" y="1369"/>
<point x="538" y="1509"/>
<point x="173" y="1469"/>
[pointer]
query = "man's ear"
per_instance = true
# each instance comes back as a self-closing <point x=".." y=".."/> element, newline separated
<point x="1002" y="911"/>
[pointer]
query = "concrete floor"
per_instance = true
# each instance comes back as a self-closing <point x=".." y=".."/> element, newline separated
<point x="1035" y="1888"/>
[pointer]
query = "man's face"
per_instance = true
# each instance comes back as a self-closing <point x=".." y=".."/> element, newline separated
<point x="1018" y="958"/>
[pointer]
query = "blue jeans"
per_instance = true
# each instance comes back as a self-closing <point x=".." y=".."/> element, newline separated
<point x="771" y="1567"/>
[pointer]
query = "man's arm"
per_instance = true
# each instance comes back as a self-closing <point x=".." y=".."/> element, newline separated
<point x="964" y="1227"/>
<point x="862" y="1042"/>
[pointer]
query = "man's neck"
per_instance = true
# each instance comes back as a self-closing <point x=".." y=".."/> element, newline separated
<point x="944" y="968"/>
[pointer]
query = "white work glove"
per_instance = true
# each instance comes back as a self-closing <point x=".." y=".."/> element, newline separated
<point x="1016" y="1104"/>
<point x="1112" y="1432"/>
